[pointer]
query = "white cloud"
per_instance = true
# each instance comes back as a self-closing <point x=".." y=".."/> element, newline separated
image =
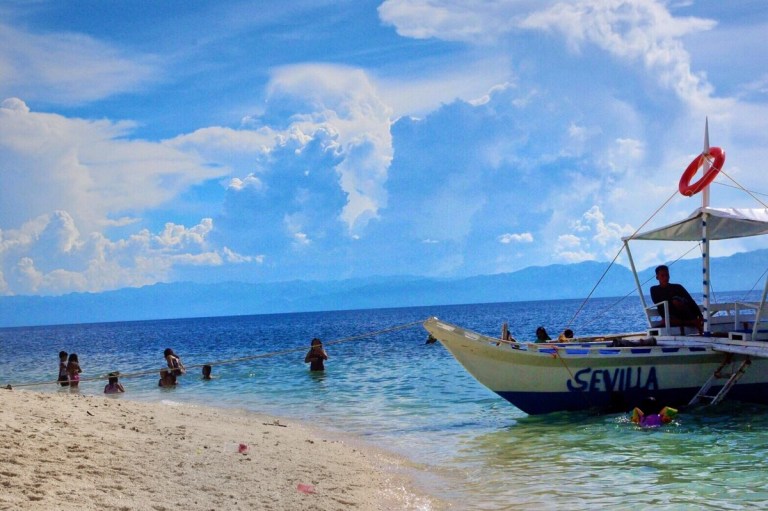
<point x="231" y="256"/>
<point x="67" y="68"/>
<point x="91" y="169"/>
<point x="605" y="233"/>
<point x="568" y="240"/>
<point x="592" y="238"/>
<point x="48" y="256"/>
<point x="473" y="20"/>
<point x="343" y="101"/>
<point x="635" y="30"/>
<point x="524" y="237"/>
<point x="249" y="181"/>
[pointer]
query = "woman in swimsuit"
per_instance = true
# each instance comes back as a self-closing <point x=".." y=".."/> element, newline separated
<point x="174" y="362"/>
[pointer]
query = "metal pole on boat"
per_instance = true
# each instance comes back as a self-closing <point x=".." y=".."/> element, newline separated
<point x="637" y="281"/>
<point x="705" y="235"/>
<point x="759" y="312"/>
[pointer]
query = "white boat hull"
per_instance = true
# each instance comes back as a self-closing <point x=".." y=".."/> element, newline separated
<point x="544" y="378"/>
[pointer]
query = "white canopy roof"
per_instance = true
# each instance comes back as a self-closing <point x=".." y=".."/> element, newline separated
<point x="722" y="223"/>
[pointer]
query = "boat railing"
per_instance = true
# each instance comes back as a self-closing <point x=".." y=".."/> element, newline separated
<point x="656" y="324"/>
<point x="750" y="318"/>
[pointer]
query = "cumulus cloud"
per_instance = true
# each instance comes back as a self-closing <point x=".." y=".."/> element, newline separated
<point x="48" y="255"/>
<point x="643" y="31"/>
<point x="524" y="237"/>
<point x="636" y="30"/>
<point x="473" y="21"/>
<point x="67" y="68"/>
<point x="66" y="181"/>
<point x="591" y="238"/>
<point x="91" y="169"/>
<point x="343" y="101"/>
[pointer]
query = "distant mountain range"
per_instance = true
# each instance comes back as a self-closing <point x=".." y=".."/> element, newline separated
<point x="185" y="299"/>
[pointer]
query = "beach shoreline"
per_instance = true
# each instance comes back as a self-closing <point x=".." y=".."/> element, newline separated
<point x="103" y="452"/>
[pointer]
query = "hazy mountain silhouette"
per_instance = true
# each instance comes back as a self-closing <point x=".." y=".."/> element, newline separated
<point x="738" y="272"/>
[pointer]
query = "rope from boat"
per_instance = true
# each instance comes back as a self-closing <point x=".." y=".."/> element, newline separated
<point x="237" y="360"/>
<point x="752" y="194"/>
<point x="570" y="373"/>
<point x="598" y="316"/>
<point x="584" y="302"/>
<point x="748" y="192"/>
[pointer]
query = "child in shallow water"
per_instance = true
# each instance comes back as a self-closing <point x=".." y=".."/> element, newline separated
<point x="73" y="370"/>
<point x="113" y="387"/>
<point x="167" y="379"/>
<point x="63" y="374"/>
<point x="652" y="415"/>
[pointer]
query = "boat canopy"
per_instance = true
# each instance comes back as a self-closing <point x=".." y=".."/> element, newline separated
<point x="722" y="224"/>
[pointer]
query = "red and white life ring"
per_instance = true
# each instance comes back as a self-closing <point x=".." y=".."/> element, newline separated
<point x="686" y="187"/>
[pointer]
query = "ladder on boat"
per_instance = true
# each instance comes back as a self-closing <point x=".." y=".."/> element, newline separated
<point x="718" y="375"/>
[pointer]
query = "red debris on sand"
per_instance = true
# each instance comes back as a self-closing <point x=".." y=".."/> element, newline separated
<point x="305" y="488"/>
<point x="242" y="449"/>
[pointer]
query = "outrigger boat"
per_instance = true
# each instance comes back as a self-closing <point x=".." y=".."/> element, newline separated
<point x="676" y="365"/>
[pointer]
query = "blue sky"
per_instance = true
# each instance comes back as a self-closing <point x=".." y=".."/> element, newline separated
<point x="145" y="141"/>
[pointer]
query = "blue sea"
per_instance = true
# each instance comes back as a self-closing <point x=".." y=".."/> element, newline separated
<point x="471" y="448"/>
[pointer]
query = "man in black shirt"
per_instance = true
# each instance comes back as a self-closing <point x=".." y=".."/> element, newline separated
<point x="683" y="310"/>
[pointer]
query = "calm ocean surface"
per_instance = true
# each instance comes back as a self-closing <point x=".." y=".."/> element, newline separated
<point x="395" y="391"/>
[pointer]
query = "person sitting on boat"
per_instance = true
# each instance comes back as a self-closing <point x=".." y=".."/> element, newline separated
<point x="542" y="335"/>
<point x="653" y="416"/>
<point x="683" y="310"/>
<point x="566" y="336"/>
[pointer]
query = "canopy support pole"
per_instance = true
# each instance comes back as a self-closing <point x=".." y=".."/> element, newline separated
<point x="637" y="281"/>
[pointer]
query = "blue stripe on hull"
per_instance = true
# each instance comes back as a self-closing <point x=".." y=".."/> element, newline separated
<point x="537" y="403"/>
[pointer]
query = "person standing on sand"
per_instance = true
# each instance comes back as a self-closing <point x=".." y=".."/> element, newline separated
<point x="74" y="370"/>
<point x="63" y="375"/>
<point x="316" y="356"/>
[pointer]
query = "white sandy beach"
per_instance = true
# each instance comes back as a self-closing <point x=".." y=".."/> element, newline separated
<point x="72" y="451"/>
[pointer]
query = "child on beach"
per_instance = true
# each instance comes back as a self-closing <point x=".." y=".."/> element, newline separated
<point x="652" y="415"/>
<point x="316" y="355"/>
<point x="73" y="370"/>
<point x="174" y="362"/>
<point x="63" y="375"/>
<point x="113" y="387"/>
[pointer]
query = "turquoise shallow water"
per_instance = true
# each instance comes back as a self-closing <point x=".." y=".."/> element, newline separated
<point x="397" y="392"/>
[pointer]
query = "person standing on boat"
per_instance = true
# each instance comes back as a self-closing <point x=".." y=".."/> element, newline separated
<point x="683" y="310"/>
<point x="316" y="355"/>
